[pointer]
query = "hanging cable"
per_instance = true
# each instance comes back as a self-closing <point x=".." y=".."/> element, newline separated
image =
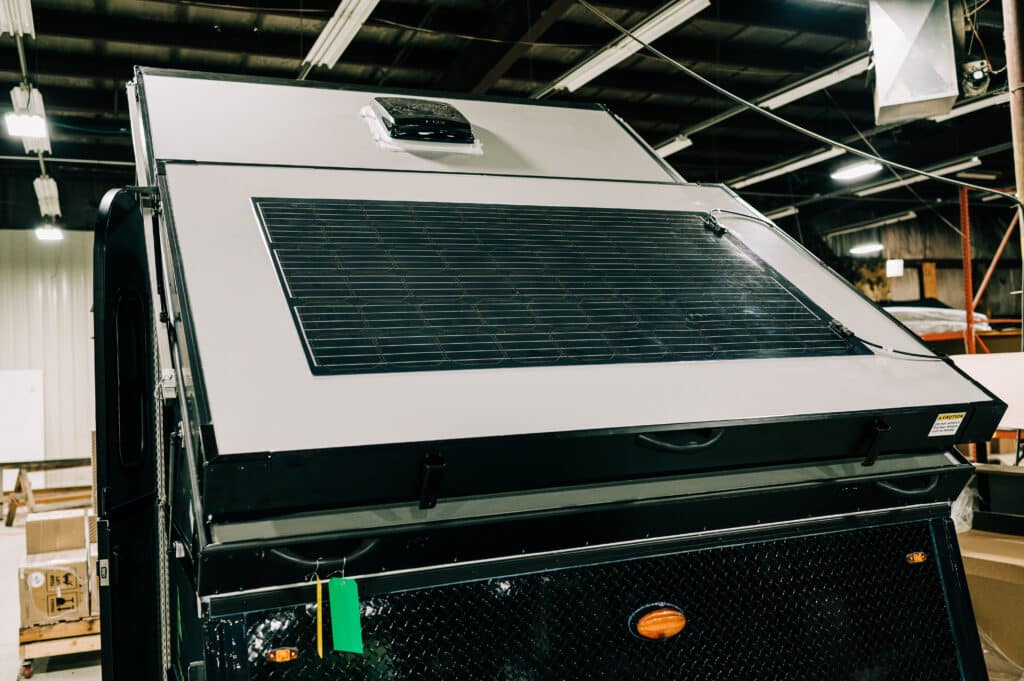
<point x="728" y="94"/>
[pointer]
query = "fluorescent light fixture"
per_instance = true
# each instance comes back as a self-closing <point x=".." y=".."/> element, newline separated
<point x="804" y="162"/>
<point x="867" y="249"/>
<point x="817" y="83"/>
<point x="339" y="32"/>
<point x="782" y="213"/>
<point x="986" y="175"/>
<point x="24" y="125"/>
<point x="872" y="224"/>
<point x="16" y="18"/>
<point x="46" y="194"/>
<point x="974" y="105"/>
<point x="677" y="143"/>
<point x="914" y="179"/>
<point x="49" y="233"/>
<point x="894" y="268"/>
<point x="995" y="197"/>
<point x="855" y="171"/>
<point x="28" y="115"/>
<point x="661" y="22"/>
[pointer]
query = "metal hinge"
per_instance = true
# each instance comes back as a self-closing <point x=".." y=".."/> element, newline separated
<point x="168" y="384"/>
<point x="148" y="195"/>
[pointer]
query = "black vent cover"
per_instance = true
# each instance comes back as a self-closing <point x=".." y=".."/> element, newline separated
<point x="378" y="286"/>
<point x="844" y="605"/>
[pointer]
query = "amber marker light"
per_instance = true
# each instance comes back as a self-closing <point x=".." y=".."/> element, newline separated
<point x="282" y="654"/>
<point x="660" y="624"/>
<point x="917" y="557"/>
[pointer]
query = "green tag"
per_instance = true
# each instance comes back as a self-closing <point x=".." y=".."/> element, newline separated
<point x="346" y="629"/>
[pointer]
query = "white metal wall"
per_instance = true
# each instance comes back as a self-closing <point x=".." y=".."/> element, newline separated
<point x="46" y="323"/>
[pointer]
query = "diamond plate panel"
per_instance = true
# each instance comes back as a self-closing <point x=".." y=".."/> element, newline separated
<point x="843" y="605"/>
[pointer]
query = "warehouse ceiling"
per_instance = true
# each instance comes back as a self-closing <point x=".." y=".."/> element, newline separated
<point x="84" y="52"/>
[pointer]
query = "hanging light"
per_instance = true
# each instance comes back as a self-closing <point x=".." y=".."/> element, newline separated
<point x="46" y="194"/>
<point x="49" y="233"/>
<point x="28" y="120"/>
<point x="855" y="171"/>
<point x="339" y="32"/>
<point x="668" y="18"/>
<point x="867" y="249"/>
<point x="16" y="18"/>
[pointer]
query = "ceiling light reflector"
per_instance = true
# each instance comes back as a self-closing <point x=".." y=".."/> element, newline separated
<point x="782" y="213"/>
<point x="974" y="105"/>
<point x="817" y="83"/>
<point x="804" y="162"/>
<point x="914" y="179"/>
<point x="46" y="194"/>
<point x="663" y="21"/>
<point x="867" y="249"/>
<point x="28" y="119"/>
<point x="677" y="143"/>
<point x="339" y="32"/>
<point x="49" y="233"/>
<point x="855" y="171"/>
<point x="16" y="18"/>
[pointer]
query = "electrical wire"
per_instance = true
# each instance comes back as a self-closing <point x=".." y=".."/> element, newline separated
<point x="836" y="326"/>
<point x="893" y="351"/>
<point x="728" y="94"/>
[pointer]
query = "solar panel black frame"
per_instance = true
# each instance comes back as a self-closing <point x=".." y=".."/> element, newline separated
<point x="483" y="277"/>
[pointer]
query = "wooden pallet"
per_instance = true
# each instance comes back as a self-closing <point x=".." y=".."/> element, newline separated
<point x="45" y="499"/>
<point x="54" y="640"/>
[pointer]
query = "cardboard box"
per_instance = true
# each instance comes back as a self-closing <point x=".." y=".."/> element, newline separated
<point x="94" y="582"/>
<point x="55" y="531"/>
<point x="54" y="587"/>
<point x="994" y="564"/>
<point x="91" y="520"/>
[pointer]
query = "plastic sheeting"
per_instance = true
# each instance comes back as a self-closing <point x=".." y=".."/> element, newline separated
<point x="926" y="320"/>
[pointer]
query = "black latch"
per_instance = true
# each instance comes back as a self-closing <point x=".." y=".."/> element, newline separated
<point x="430" y="479"/>
<point x="712" y="225"/>
<point x="872" y="443"/>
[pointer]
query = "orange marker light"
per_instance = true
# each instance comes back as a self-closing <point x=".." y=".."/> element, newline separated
<point x="917" y="557"/>
<point x="282" y="654"/>
<point x="660" y="624"/>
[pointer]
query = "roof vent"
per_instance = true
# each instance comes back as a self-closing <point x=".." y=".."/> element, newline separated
<point x="408" y="124"/>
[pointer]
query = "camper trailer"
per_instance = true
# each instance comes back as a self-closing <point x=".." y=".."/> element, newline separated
<point x="412" y="387"/>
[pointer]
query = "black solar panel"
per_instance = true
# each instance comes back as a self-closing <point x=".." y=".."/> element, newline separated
<point x="390" y="285"/>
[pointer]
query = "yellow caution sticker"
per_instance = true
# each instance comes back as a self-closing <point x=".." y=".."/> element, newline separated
<point x="947" y="425"/>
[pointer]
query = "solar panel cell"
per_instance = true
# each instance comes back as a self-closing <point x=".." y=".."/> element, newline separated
<point x="380" y="286"/>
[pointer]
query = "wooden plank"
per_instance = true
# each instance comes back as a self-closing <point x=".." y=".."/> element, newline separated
<point x="929" y="281"/>
<point x="44" y="632"/>
<point x="60" y="646"/>
<point x="46" y="465"/>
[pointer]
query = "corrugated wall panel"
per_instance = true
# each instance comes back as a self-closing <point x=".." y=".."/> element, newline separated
<point x="46" y="323"/>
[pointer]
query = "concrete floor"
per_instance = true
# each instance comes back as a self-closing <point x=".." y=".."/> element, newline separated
<point x="82" y="667"/>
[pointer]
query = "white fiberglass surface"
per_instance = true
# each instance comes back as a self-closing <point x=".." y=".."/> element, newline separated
<point x="227" y="121"/>
<point x="263" y="395"/>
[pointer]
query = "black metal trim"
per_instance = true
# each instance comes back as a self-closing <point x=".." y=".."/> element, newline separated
<point x="222" y="605"/>
<point x="454" y="173"/>
<point x="884" y="482"/>
<point x="958" y="600"/>
<point x="174" y="263"/>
